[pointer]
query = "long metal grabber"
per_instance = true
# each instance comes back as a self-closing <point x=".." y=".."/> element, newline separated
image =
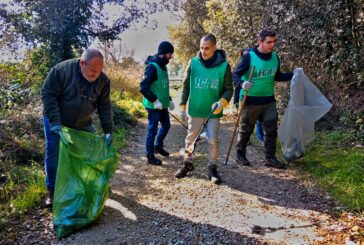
<point x="175" y="118"/>
<point x="242" y="103"/>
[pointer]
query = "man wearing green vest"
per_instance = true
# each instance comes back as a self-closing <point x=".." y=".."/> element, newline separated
<point x="260" y="103"/>
<point x="155" y="89"/>
<point x="208" y="85"/>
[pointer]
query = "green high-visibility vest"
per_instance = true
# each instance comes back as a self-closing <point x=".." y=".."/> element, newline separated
<point x="263" y="76"/>
<point x="206" y="85"/>
<point x="160" y="88"/>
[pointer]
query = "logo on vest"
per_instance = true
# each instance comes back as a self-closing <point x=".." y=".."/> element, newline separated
<point x="165" y="83"/>
<point x="202" y="82"/>
<point x="265" y="72"/>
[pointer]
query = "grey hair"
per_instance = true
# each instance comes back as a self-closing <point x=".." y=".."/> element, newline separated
<point x="209" y="37"/>
<point x="90" y="54"/>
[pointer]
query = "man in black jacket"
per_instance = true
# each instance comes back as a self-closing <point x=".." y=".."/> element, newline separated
<point x="156" y="100"/>
<point x="260" y="103"/>
<point x="237" y="90"/>
<point x="73" y="90"/>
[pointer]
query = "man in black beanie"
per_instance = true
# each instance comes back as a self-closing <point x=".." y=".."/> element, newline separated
<point x="155" y="89"/>
<point x="165" y="48"/>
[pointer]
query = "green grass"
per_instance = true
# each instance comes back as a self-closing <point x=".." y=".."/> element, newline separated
<point x="133" y="108"/>
<point x="119" y="138"/>
<point x="27" y="199"/>
<point x="126" y="110"/>
<point x="23" y="189"/>
<point x="338" y="166"/>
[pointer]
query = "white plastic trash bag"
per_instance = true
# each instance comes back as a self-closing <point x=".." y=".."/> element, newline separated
<point x="306" y="105"/>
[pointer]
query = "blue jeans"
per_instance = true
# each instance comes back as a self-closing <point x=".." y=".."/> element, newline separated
<point x="154" y="117"/>
<point x="259" y="131"/>
<point x="52" y="152"/>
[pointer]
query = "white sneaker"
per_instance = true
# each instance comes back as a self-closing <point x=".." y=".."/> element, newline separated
<point x="182" y="152"/>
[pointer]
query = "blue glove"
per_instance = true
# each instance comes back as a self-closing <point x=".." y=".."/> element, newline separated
<point x="58" y="130"/>
<point x="108" y="139"/>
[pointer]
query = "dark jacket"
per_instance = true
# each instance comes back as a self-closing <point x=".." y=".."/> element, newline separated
<point x="150" y="76"/>
<point x="243" y="66"/>
<point x="69" y="99"/>
<point x="218" y="58"/>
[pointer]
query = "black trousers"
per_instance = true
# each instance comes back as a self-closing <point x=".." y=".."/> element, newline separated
<point x="268" y="115"/>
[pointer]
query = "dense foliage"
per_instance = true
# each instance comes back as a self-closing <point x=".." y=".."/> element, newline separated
<point x="186" y="36"/>
<point x="235" y="24"/>
<point x="326" y="38"/>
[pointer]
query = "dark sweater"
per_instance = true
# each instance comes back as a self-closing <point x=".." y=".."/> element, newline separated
<point x="69" y="99"/>
<point x="243" y="66"/>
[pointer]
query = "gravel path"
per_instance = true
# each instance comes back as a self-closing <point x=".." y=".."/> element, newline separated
<point x="149" y="206"/>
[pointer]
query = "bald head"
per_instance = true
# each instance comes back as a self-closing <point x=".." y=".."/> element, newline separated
<point x="90" y="54"/>
<point x="91" y="63"/>
<point x="209" y="38"/>
<point x="208" y="46"/>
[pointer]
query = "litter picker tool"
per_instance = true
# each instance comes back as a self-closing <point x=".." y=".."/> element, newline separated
<point x="175" y="118"/>
<point x="242" y="103"/>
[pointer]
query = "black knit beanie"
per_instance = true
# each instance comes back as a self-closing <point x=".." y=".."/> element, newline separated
<point x="165" y="48"/>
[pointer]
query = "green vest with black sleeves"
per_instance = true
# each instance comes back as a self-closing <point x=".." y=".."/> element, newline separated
<point x="160" y="88"/>
<point x="263" y="76"/>
<point x="206" y="85"/>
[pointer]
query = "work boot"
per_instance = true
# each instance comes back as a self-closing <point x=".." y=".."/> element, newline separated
<point x="161" y="151"/>
<point x="241" y="158"/>
<point x="274" y="163"/>
<point x="49" y="198"/>
<point x="187" y="167"/>
<point x="153" y="160"/>
<point x="214" y="175"/>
